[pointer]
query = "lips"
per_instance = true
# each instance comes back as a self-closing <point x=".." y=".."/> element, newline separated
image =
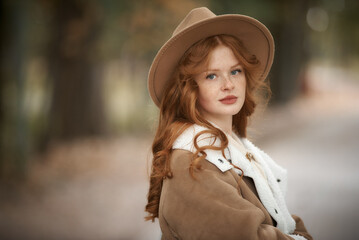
<point x="228" y="100"/>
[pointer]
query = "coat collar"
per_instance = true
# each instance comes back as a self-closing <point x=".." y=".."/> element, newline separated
<point x="270" y="191"/>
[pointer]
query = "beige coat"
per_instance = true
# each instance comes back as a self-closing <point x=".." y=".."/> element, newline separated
<point x="215" y="206"/>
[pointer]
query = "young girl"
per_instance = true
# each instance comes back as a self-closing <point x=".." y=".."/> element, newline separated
<point x="208" y="181"/>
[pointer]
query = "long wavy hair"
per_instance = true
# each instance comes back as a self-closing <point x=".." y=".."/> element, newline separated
<point x="179" y="110"/>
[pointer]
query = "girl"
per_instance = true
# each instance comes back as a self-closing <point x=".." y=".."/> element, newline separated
<point x="208" y="181"/>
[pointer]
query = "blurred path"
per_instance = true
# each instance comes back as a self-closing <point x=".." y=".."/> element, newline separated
<point x="317" y="139"/>
<point x="91" y="189"/>
<point x="322" y="161"/>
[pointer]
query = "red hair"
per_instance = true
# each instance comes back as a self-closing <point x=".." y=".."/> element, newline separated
<point x="178" y="110"/>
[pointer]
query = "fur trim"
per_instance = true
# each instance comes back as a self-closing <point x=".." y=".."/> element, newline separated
<point x="297" y="237"/>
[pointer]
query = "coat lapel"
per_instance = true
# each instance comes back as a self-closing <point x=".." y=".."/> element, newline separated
<point x="271" y="194"/>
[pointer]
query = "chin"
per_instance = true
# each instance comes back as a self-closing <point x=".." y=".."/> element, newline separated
<point x="232" y="113"/>
<point x="235" y="110"/>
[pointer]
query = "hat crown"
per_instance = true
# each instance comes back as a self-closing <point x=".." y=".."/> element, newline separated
<point x="193" y="17"/>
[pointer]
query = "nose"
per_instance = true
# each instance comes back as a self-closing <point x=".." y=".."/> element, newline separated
<point x="227" y="83"/>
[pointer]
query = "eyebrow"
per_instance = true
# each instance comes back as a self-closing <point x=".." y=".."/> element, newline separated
<point x="213" y="70"/>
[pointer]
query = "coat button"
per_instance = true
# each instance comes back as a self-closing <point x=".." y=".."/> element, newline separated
<point x="220" y="160"/>
<point x="278" y="180"/>
<point x="276" y="211"/>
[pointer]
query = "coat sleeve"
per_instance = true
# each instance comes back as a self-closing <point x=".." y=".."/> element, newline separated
<point x="209" y="206"/>
<point x="300" y="228"/>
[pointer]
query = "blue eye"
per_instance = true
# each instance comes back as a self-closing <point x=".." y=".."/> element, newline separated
<point x="211" y="76"/>
<point x="235" y="72"/>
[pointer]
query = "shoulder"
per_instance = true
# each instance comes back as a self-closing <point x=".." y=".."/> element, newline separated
<point x="185" y="141"/>
<point x="181" y="159"/>
<point x="186" y="200"/>
<point x="208" y="174"/>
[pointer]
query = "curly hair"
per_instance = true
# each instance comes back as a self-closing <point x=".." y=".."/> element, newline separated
<point x="179" y="110"/>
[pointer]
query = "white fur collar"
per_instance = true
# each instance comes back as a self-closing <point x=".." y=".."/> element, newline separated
<point x="271" y="194"/>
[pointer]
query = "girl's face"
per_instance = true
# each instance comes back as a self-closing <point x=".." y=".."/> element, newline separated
<point x="222" y="86"/>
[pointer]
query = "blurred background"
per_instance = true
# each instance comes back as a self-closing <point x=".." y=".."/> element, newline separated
<point x="76" y="120"/>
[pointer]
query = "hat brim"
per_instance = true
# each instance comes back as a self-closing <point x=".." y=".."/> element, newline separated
<point x="253" y="34"/>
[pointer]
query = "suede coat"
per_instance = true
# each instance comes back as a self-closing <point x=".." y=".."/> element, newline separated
<point x="216" y="204"/>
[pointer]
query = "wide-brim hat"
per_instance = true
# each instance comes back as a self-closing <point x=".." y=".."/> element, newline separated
<point x="201" y="23"/>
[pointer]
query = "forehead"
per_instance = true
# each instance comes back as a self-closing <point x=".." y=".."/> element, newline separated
<point x="221" y="56"/>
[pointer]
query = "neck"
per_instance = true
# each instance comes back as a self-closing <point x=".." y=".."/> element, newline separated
<point x="225" y="124"/>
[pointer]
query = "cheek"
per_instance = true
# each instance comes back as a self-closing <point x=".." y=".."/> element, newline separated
<point x="205" y="96"/>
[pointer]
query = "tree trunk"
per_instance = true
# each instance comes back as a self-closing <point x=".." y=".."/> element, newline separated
<point x="289" y="32"/>
<point x="13" y="120"/>
<point x="77" y="100"/>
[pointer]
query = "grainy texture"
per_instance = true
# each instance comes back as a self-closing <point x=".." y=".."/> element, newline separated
<point x="96" y="189"/>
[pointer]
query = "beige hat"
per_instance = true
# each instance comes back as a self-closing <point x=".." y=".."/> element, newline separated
<point x="201" y="23"/>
